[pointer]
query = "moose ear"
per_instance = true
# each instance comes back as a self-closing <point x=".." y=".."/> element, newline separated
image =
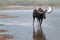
<point x="49" y="9"/>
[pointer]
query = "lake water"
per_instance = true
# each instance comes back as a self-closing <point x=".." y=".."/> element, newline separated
<point x="22" y="29"/>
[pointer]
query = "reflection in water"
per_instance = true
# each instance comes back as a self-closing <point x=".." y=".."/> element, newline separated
<point x="39" y="35"/>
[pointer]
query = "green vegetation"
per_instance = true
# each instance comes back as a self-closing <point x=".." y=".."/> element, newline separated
<point x="29" y="2"/>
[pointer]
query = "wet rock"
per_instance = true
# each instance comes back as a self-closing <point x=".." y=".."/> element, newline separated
<point x="1" y="24"/>
<point x="2" y="30"/>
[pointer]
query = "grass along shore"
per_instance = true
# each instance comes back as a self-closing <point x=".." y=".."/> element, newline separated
<point x="23" y="7"/>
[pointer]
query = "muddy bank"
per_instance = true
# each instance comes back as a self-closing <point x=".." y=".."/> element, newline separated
<point x="6" y="16"/>
<point x="2" y="30"/>
<point x="5" y="37"/>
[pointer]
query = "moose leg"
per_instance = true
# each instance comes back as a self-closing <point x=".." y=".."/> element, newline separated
<point x="37" y="20"/>
<point x="33" y="20"/>
<point x="44" y="15"/>
<point x="41" y="21"/>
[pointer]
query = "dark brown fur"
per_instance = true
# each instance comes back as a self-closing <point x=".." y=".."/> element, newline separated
<point x="38" y="16"/>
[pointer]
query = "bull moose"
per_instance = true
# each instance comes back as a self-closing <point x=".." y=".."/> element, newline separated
<point x="40" y="14"/>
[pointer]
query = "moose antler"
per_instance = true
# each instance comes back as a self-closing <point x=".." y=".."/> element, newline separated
<point x="49" y="10"/>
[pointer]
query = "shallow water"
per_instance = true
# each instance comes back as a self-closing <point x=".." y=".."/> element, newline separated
<point x="22" y="29"/>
